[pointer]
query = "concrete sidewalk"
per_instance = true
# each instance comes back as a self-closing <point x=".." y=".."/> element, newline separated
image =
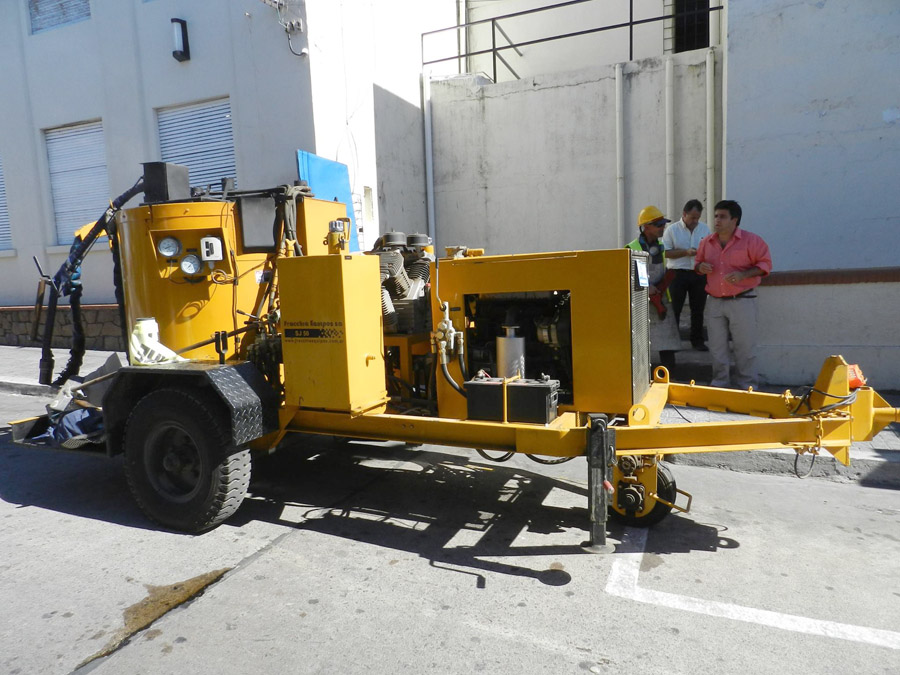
<point x="19" y="368"/>
<point x="874" y="463"/>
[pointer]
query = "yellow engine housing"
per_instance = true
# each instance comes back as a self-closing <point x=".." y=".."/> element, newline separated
<point x="332" y="340"/>
<point x="190" y="309"/>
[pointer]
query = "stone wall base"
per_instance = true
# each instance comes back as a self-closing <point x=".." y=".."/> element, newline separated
<point x="102" y="327"/>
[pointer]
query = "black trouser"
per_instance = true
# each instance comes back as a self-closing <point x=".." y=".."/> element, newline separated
<point x="687" y="283"/>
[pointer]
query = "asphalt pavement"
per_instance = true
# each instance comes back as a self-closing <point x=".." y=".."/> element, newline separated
<point x="379" y="558"/>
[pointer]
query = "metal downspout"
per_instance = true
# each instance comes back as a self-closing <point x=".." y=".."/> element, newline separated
<point x="670" y="138"/>
<point x="710" y="127"/>
<point x="429" y="153"/>
<point x="723" y="33"/>
<point x="621" y="236"/>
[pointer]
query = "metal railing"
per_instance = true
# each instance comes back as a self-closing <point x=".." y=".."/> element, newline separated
<point x="496" y="51"/>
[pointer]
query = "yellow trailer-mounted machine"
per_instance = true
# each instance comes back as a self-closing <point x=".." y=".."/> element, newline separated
<point x="283" y="330"/>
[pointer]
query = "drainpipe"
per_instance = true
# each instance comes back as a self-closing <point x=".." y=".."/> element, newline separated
<point x="714" y="27"/>
<point x="621" y="236"/>
<point x="710" y="128"/>
<point x="670" y="138"/>
<point x="429" y="154"/>
<point x="723" y="36"/>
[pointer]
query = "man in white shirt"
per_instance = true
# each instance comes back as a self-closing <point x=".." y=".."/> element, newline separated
<point x="681" y="239"/>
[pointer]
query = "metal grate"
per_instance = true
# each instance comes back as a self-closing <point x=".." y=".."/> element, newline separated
<point x="640" y="333"/>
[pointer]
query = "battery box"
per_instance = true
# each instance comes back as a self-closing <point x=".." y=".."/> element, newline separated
<point x="529" y="401"/>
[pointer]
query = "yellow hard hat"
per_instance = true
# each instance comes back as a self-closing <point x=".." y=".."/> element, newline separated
<point x="650" y="214"/>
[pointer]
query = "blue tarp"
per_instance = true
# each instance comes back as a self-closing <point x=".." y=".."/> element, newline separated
<point x="329" y="180"/>
<point x="73" y="429"/>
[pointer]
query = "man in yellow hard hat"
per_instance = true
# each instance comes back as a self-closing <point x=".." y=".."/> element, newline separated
<point x="663" y="331"/>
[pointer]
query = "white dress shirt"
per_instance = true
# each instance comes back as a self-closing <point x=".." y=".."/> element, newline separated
<point x="677" y="235"/>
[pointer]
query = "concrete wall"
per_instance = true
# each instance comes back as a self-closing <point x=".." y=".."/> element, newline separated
<point x="399" y="131"/>
<point x="801" y="325"/>
<point x="355" y="92"/>
<point x="814" y="129"/>
<point x="531" y="165"/>
<point x="366" y="91"/>
<point x="813" y="137"/>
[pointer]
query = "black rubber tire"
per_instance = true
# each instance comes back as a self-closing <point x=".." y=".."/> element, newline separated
<point x="180" y="464"/>
<point x="665" y="488"/>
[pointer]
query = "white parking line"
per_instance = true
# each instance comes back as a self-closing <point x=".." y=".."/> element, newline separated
<point x="623" y="583"/>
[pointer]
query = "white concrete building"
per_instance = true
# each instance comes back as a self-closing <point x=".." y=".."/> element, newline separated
<point x="90" y="89"/>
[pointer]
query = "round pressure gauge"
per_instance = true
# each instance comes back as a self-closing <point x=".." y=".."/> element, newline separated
<point x="191" y="264"/>
<point x="169" y="247"/>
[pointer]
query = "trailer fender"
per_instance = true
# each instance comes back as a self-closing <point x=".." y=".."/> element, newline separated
<point x="243" y="395"/>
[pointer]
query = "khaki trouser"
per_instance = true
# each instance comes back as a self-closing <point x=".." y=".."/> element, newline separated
<point x="734" y="318"/>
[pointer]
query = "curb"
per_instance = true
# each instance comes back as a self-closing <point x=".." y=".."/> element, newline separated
<point x="879" y="472"/>
<point x="27" y="389"/>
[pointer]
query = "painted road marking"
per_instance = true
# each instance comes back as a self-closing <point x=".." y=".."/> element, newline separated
<point x="623" y="583"/>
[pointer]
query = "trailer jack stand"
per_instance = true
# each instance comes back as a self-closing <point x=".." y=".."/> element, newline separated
<point x="601" y="457"/>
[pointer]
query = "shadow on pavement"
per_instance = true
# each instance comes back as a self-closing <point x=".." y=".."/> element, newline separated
<point x="77" y="484"/>
<point x="447" y="508"/>
<point x="450" y="509"/>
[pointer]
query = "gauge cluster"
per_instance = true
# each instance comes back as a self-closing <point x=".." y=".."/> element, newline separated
<point x="193" y="259"/>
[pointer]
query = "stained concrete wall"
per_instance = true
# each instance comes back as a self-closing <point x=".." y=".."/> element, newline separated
<point x="800" y="326"/>
<point x="814" y="128"/>
<point x="813" y="140"/>
<point x="530" y="165"/>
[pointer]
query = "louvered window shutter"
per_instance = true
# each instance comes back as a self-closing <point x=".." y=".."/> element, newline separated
<point x="5" y="233"/>
<point x="200" y="137"/>
<point x="78" y="178"/>
<point x="47" y="14"/>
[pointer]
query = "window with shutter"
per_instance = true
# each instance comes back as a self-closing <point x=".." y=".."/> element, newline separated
<point x="199" y="136"/>
<point x="47" y="14"/>
<point x="79" y="184"/>
<point x="5" y="233"/>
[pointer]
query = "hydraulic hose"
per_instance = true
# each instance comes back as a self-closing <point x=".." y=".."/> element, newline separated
<point x="76" y="353"/>
<point x="462" y="366"/>
<point x="120" y="288"/>
<point x="45" y="374"/>
<point x="449" y="378"/>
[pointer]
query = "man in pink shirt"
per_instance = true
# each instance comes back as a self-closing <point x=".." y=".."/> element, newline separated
<point x="734" y="262"/>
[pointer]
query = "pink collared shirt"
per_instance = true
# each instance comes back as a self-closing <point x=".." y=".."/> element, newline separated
<point x="743" y="251"/>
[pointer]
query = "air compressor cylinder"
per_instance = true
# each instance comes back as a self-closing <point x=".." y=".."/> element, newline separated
<point x="510" y="354"/>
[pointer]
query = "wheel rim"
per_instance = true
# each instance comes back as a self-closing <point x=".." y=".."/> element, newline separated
<point x="173" y="463"/>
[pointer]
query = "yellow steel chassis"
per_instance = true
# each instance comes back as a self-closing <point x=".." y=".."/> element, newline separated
<point x="785" y="422"/>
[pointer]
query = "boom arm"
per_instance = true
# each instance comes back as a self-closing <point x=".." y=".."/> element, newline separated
<point x="66" y="281"/>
